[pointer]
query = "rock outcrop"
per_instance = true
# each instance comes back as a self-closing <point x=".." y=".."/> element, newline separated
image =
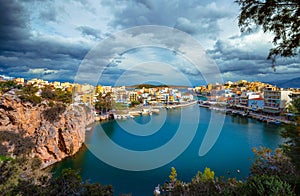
<point x="54" y="132"/>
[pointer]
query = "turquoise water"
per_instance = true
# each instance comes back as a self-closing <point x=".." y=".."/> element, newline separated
<point x="231" y="152"/>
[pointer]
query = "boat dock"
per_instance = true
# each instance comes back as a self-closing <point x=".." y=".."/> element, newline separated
<point x="277" y="120"/>
<point x="181" y="105"/>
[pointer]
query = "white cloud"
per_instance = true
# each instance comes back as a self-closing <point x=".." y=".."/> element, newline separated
<point x="42" y="71"/>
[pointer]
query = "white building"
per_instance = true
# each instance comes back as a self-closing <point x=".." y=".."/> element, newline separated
<point x="276" y="100"/>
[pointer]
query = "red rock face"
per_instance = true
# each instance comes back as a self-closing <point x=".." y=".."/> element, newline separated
<point x="53" y="138"/>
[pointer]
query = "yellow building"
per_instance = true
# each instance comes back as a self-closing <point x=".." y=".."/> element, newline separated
<point x="209" y="87"/>
<point x="56" y="84"/>
<point x="19" y="80"/>
<point x="77" y="88"/>
<point x="107" y="89"/>
<point x="133" y="96"/>
<point x="87" y="98"/>
<point x="241" y="82"/>
<point x="171" y="98"/>
<point x="99" y="89"/>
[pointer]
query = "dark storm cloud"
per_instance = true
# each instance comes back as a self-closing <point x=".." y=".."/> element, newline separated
<point x="223" y="51"/>
<point x="243" y="62"/>
<point x="89" y="31"/>
<point x="21" y="51"/>
<point x="192" y="17"/>
<point x="31" y="52"/>
<point x="13" y="21"/>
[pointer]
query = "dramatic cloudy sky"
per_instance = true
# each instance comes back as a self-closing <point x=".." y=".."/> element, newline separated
<point x="50" y="39"/>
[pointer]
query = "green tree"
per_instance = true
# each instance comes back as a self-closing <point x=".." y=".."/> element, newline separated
<point x="28" y="93"/>
<point x="292" y="135"/>
<point x="173" y="175"/>
<point x="68" y="183"/>
<point x="292" y="144"/>
<point x="104" y="102"/>
<point x="273" y="164"/>
<point x="294" y="107"/>
<point x="63" y="96"/>
<point x="280" y="17"/>
<point x="208" y="174"/>
<point x="203" y="183"/>
<point x="134" y="103"/>
<point x="266" y="185"/>
<point x="48" y="93"/>
<point x="8" y="85"/>
<point x="29" y="89"/>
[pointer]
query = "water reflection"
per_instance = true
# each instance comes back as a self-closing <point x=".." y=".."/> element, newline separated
<point x="239" y="120"/>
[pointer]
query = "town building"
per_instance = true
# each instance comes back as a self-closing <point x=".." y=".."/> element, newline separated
<point x="256" y="104"/>
<point x="133" y="96"/>
<point x="276" y="100"/>
<point x="120" y="94"/>
<point x="20" y="81"/>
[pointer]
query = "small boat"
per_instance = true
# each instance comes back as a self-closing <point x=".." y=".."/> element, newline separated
<point x="228" y="112"/>
<point x="234" y="113"/>
<point x="244" y="114"/>
<point x="277" y="122"/>
<point x="156" y="190"/>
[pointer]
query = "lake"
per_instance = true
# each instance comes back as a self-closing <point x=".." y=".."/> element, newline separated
<point x="231" y="151"/>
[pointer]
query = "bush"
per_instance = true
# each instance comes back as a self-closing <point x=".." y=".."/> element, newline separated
<point x="63" y="96"/>
<point x="8" y="85"/>
<point x="48" y="93"/>
<point x="31" y="98"/>
<point x="273" y="164"/>
<point x="266" y="185"/>
<point x="53" y="114"/>
<point x="134" y="103"/>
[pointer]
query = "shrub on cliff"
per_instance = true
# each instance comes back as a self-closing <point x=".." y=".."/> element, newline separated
<point x="8" y="85"/>
<point x="21" y="144"/>
<point x="53" y="114"/>
<point x="70" y="183"/>
<point x="58" y="95"/>
<point x="20" y="170"/>
<point x="48" y="93"/>
<point x="21" y="177"/>
<point x="28" y="94"/>
<point x="63" y="96"/>
<point x="31" y="98"/>
<point x="29" y="89"/>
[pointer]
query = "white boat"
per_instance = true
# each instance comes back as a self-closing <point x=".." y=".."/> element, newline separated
<point x="156" y="190"/>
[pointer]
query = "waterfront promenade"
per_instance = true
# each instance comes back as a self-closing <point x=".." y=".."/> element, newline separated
<point x="251" y="114"/>
<point x="142" y="110"/>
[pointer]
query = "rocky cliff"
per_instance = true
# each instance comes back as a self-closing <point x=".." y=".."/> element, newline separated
<point x="52" y="133"/>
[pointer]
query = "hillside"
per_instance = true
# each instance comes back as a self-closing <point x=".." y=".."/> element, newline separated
<point x="53" y="132"/>
<point x="292" y="83"/>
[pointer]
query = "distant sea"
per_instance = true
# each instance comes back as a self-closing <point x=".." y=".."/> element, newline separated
<point x="231" y="152"/>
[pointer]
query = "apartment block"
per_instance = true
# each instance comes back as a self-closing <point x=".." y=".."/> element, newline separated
<point x="276" y="100"/>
